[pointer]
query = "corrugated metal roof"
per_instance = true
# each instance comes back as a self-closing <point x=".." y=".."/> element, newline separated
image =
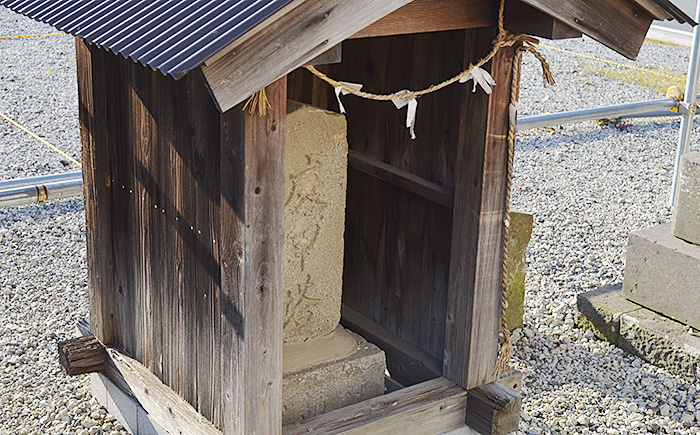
<point x="171" y="36"/>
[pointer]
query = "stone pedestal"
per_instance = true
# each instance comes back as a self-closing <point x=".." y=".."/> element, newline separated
<point x="686" y="210"/>
<point x="328" y="373"/>
<point x="663" y="274"/>
<point x="324" y="366"/>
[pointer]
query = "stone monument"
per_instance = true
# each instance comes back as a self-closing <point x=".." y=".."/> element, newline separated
<point x="325" y="366"/>
<point x="663" y="262"/>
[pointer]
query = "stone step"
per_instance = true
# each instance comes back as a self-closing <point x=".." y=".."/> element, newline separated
<point x="641" y="332"/>
<point x="663" y="274"/>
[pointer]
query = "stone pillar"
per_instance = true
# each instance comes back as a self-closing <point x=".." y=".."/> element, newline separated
<point x="325" y="367"/>
<point x="686" y="211"/>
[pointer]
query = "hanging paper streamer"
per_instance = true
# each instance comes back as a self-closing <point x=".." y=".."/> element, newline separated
<point x="339" y="90"/>
<point x="481" y="77"/>
<point x="411" y="111"/>
<point x="513" y="112"/>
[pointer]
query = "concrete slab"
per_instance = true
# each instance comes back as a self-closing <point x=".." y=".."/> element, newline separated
<point x="328" y="373"/>
<point x="600" y="311"/>
<point x="663" y="274"/>
<point x="686" y="210"/>
<point x="656" y="339"/>
<point x="127" y="410"/>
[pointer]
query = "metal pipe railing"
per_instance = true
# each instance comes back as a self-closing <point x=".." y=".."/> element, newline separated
<point x="43" y="179"/>
<point x="30" y="194"/>
<point x="593" y="114"/>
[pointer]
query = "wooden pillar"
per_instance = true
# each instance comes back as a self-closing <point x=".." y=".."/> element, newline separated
<point x="252" y="246"/>
<point x="96" y="192"/>
<point x="476" y="260"/>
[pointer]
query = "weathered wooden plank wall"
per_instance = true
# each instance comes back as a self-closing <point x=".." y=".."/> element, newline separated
<point x="411" y="264"/>
<point x="184" y="210"/>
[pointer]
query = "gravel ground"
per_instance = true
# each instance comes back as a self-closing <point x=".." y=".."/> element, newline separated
<point x="588" y="187"/>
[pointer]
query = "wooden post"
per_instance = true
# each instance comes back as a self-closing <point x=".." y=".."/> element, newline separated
<point x="252" y="237"/>
<point x="493" y="409"/>
<point x="96" y="192"/>
<point x="476" y="260"/>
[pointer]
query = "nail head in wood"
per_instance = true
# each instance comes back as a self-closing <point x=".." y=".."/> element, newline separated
<point x="82" y="355"/>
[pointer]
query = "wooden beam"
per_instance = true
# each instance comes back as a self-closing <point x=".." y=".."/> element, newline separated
<point x="476" y="259"/>
<point x="493" y="409"/>
<point x="402" y="179"/>
<point x="82" y="355"/>
<point x="435" y="406"/>
<point x="334" y="55"/>
<point x="620" y="25"/>
<point x="422" y="16"/>
<point x="522" y="18"/>
<point x="251" y="256"/>
<point x="164" y="406"/>
<point x="406" y="362"/>
<point x="290" y="38"/>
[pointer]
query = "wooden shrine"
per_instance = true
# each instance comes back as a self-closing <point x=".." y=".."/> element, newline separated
<point x="185" y="198"/>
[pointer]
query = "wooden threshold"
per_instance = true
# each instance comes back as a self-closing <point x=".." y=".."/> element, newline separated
<point x="429" y="408"/>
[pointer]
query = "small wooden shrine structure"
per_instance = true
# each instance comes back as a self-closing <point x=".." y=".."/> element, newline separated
<point x="184" y="201"/>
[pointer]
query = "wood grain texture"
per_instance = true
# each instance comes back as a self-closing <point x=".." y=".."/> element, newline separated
<point x="620" y="25"/>
<point x="405" y="180"/>
<point x="252" y="234"/>
<point x="474" y="292"/>
<point x="522" y="18"/>
<point x="397" y="243"/>
<point x="422" y="16"/>
<point x="178" y="195"/>
<point x="96" y="192"/>
<point x="82" y="355"/>
<point x="163" y="405"/>
<point x="493" y="409"/>
<point x="333" y="55"/>
<point x="432" y="407"/>
<point x="305" y="30"/>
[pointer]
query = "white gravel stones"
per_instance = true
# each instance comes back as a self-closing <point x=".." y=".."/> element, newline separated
<point x="587" y="186"/>
<point x="43" y="289"/>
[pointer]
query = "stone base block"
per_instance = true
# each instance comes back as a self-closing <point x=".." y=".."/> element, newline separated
<point x="686" y="209"/>
<point x="663" y="274"/>
<point x="328" y="373"/>
<point x="654" y="338"/>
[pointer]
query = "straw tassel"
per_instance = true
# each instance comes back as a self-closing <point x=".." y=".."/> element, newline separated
<point x="258" y="102"/>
